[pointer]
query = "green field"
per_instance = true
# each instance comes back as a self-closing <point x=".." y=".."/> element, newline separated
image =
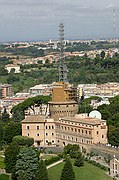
<point x="48" y="156"/>
<point x="4" y="177"/>
<point x="87" y="172"/>
<point x="2" y="164"/>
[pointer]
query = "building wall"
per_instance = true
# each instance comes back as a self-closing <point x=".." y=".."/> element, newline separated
<point x="63" y="92"/>
<point x="42" y="132"/>
<point x="114" y="167"/>
<point x="6" y="90"/>
<point x="64" y="109"/>
<point x="81" y="133"/>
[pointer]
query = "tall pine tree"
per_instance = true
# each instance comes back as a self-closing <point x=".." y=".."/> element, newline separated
<point x="67" y="172"/>
<point x="42" y="171"/>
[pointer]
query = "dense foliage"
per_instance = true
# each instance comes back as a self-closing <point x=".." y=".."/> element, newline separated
<point x="27" y="164"/>
<point x="18" y="111"/>
<point x="11" y="129"/>
<point x="11" y="153"/>
<point x="23" y="140"/>
<point x="67" y="171"/>
<point x="111" y="114"/>
<point x="42" y="171"/>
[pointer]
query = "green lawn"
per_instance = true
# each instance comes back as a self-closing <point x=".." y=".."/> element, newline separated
<point x="87" y="172"/>
<point x="48" y="156"/>
<point x="4" y="177"/>
<point x="2" y="165"/>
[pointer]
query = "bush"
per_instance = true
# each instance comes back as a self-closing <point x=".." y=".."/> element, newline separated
<point x="52" y="160"/>
<point x="23" y="140"/>
<point x="96" y="164"/>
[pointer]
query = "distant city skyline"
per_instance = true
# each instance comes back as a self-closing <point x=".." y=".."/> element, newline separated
<point x="33" y="20"/>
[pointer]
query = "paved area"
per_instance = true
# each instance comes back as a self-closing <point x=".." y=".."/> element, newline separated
<point x="54" y="164"/>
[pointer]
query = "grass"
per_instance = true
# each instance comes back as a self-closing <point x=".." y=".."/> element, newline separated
<point x="2" y="164"/>
<point x="48" y="156"/>
<point x="88" y="171"/>
<point x="4" y="177"/>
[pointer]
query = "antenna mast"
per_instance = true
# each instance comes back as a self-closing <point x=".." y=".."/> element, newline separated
<point x="62" y="66"/>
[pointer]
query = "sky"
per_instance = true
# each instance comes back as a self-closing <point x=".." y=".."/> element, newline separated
<point x="35" y="20"/>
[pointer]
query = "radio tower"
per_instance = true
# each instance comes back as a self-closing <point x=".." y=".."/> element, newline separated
<point x="62" y="65"/>
<point x="114" y="25"/>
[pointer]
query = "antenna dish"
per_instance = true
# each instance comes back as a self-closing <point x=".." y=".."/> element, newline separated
<point x="95" y="114"/>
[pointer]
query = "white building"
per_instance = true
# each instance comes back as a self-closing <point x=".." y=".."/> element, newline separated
<point x="9" y="67"/>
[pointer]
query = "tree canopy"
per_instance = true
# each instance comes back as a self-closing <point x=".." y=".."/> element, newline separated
<point x="18" y="111"/>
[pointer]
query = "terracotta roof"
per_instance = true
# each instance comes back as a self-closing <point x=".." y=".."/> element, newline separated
<point x="87" y="120"/>
<point x="34" y="119"/>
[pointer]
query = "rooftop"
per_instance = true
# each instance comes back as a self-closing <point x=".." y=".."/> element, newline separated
<point x="87" y="120"/>
<point x="37" y="119"/>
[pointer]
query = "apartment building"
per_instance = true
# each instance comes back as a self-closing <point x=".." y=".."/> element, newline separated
<point x="41" y="89"/>
<point x="82" y="130"/>
<point x="105" y="90"/>
<point x="5" y="90"/>
<point x="40" y="128"/>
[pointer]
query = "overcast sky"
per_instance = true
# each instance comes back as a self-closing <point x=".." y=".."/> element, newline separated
<point x="39" y="19"/>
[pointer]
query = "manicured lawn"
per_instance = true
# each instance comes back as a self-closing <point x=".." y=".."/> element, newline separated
<point x="48" y="156"/>
<point x="87" y="172"/>
<point x="2" y="165"/>
<point x="4" y="177"/>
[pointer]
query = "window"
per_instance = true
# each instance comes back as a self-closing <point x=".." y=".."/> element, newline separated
<point x="46" y="134"/>
<point x="38" y="134"/>
<point x="52" y="134"/>
<point x="76" y="139"/>
<point x="82" y="131"/>
<point x="86" y="132"/>
<point x="89" y="132"/>
<point x="49" y="127"/>
<point x="27" y="128"/>
<point x="52" y="141"/>
<point x="46" y="127"/>
<point x="37" y="127"/>
<point x="46" y="141"/>
<point x="75" y="130"/>
<point x="97" y="132"/>
<point x="79" y="130"/>
<point x="52" y="127"/>
<point x="102" y="136"/>
<point x="72" y="129"/>
<point x="28" y="134"/>
<point x="65" y="128"/>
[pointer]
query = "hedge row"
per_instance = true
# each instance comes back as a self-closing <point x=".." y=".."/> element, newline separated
<point x="96" y="164"/>
<point x="52" y="160"/>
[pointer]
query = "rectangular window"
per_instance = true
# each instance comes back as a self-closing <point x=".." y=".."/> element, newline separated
<point x="27" y="127"/>
<point x="37" y="128"/>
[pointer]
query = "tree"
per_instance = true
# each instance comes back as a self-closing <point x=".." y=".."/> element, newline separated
<point x="102" y="55"/>
<point x="26" y="167"/>
<point x="11" y="153"/>
<point x="5" y="116"/>
<point x="42" y="171"/>
<point x="67" y="172"/>
<point x="1" y="132"/>
<point x="11" y="129"/>
<point x="71" y="147"/>
<point x="23" y="140"/>
<point x="79" y="160"/>
<point x="114" y="137"/>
